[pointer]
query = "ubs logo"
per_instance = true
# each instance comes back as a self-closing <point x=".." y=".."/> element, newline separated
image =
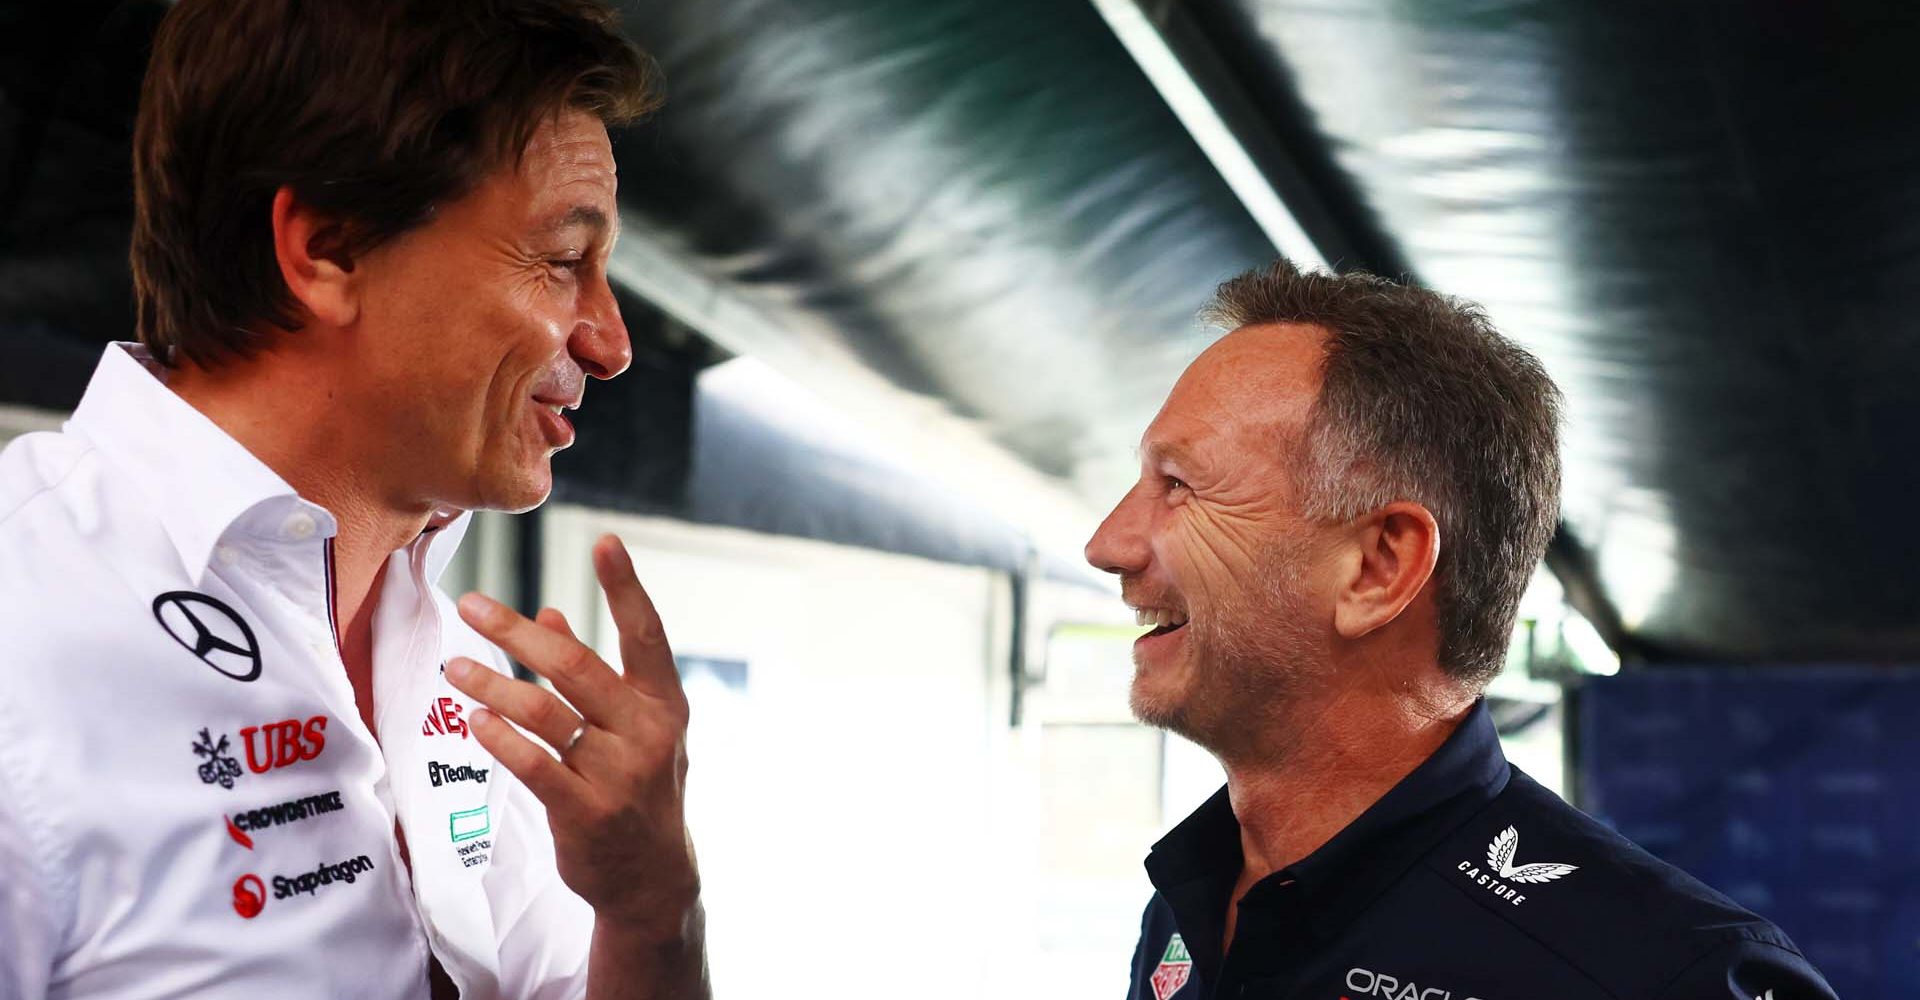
<point x="211" y="631"/>
<point x="218" y="766"/>
<point x="279" y="744"/>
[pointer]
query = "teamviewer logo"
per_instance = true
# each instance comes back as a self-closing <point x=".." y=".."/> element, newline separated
<point x="442" y="774"/>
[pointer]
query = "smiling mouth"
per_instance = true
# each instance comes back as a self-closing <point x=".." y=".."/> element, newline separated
<point x="1164" y="621"/>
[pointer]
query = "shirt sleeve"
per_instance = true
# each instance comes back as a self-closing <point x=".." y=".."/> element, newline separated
<point x="1750" y="970"/>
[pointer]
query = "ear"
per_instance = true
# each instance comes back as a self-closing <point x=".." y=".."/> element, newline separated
<point x="1394" y="552"/>
<point x="310" y="248"/>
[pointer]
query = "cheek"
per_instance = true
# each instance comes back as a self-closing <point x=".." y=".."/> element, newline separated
<point x="1209" y="550"/>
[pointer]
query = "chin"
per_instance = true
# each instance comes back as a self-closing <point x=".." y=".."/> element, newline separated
<point x="517" y="491"/>
<point x="1159" y="709"/>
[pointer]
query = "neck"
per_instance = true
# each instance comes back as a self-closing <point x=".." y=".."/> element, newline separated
<point x="1341" y="754"/>
<point x="287" y="417"/>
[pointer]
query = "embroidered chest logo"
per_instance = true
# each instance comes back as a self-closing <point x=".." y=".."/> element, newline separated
<point x="443" y="719"/>
<point x="211" y="631"/>
<point x="446" y="774"/>
<point x="469" y="828"/>
<point x="218" y="766"/>
<point x="249" y="896"/>
<point x="1368" y="983"/>
<point x="1502" y="874"/>
<point x="1176" y="967"/>
<point x="280" y="814"/>
<point x="283" y="743"/>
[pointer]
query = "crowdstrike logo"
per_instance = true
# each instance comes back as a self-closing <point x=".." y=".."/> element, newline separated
<point x="279" y="814"/>
<point x="1501" y="871"/>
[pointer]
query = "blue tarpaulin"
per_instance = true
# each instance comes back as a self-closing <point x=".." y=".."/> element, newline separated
<point x="1794" y="790"/>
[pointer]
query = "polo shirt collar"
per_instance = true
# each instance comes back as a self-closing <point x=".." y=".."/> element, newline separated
<point x="1197" y="863"/>
<point x="198" y="481"/>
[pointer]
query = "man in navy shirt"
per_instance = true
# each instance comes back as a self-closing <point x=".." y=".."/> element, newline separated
<point x="1339" y="507"/>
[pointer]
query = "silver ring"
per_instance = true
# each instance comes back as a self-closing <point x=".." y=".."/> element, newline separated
<point x="578" y="732"/>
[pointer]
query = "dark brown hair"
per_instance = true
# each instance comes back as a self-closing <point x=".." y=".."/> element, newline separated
<point x="1424" y="400"/>
<point x="372" y="111"/>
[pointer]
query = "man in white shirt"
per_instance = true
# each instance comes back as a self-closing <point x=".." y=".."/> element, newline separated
<point x="247" y="747"/>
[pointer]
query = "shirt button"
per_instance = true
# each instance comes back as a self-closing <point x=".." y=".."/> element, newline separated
<point x="301" y="526"/>
<point x="225" y="554"/>
<point x="320" y="649"/>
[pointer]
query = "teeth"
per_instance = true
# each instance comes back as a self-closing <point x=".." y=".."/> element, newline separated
<point x="1158" y="618"/>
<point x="555" y="407"/>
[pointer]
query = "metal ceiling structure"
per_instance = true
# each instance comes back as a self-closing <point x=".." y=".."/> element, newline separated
<point x="994" y="220"/>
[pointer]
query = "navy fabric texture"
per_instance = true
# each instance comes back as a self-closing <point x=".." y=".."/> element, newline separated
<point x="1467" y="881"/>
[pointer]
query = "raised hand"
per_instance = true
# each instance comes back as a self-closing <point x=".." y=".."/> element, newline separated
<point x="615" y="794"/>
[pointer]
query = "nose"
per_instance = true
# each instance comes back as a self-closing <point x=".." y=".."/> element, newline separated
<point x="599" y="342"/>
<point x="1119" y="545"/>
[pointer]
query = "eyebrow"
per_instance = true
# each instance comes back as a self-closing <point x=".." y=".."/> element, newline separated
<point x="1169" y="451"/>
<point x="579" y="215"/>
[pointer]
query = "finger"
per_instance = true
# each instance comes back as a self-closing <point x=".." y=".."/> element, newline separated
<point x="553" y="619"/>
<point x="643" y="640"/>
<point x="575" y="670"/>
<point x="552" y="782"/>
<point x="531" y="706"/>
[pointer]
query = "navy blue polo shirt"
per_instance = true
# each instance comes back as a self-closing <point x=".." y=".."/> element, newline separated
<point x="1466" y="881"/>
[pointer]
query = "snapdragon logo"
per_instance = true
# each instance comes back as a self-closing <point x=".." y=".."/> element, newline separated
<point x="308" y="883"/>
<point x="1367" y="983"/>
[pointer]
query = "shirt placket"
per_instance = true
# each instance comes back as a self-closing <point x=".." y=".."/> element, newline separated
<point x="298" y="564"/>
<point x="1271" y="937"/>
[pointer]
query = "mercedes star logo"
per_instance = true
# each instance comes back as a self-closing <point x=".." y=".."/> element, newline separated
<point x="211" y="631"/>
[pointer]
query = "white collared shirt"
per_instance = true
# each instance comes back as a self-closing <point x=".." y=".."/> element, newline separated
<point x="190" y="804"/>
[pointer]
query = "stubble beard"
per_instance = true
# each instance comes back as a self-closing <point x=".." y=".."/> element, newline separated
<point x="1252" y="656"/>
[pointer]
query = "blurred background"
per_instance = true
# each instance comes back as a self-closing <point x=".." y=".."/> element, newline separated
<point x="907" y="279"/>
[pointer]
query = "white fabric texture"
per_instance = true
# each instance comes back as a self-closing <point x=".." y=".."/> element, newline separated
<point x="190" y="804"/>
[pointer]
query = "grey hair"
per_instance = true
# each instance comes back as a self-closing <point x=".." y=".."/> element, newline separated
<point x="1422" y="399"/>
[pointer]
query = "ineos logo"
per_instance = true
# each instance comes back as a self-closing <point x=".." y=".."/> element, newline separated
<point x="211" y="631"/>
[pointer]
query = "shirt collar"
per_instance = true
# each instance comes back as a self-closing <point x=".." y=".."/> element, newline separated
<point x="442" y="538"/>
<point x="1201" y="856"/>
<point x="195" y="478"/>
<point x="200" y="483"/>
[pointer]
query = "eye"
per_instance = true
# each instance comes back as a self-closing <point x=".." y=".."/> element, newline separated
<point x="1175" y="483"/>
<point x="567" y="263"/>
